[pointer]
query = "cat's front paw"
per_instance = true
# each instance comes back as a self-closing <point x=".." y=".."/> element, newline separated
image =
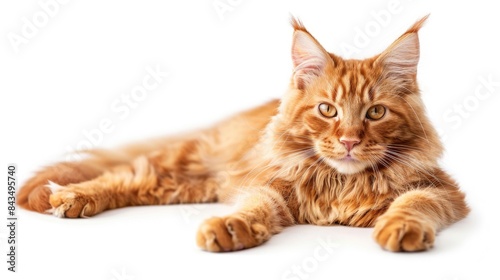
<point x="230" y="233"/>
<point x="398" y="233"/>
<point x="68" y="202"/>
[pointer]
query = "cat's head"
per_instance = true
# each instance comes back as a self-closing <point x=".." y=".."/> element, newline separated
<point x="355" y="115"/>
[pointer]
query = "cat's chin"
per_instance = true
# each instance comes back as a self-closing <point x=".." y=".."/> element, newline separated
<point x="349" y="166"/>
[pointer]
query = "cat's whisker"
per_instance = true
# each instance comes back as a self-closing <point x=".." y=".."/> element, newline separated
<point x="412" y="163"/>
<point x="349" y="144"/>
<point x="293" y="156"/>
<point x="417" y="117"/>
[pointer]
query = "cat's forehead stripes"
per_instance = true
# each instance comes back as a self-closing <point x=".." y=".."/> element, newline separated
<point x="370" y="93"/>
<point x="353" y="87"/>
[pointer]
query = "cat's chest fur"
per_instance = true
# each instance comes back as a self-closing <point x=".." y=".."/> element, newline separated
<point x="348" y="200"/>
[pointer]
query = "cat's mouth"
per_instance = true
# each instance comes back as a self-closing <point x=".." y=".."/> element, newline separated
<point x="349" y="164"/>
<point x="346" y="163"/>
<point x="348" y="158"/>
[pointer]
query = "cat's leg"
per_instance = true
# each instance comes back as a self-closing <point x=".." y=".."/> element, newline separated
<point x="34" y="195"/>
<point x="412" y="220"/>
<point x="262" y="212"/>
<point x="143" y="182"/>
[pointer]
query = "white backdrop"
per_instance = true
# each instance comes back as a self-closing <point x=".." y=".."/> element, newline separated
<point x="72" y="74"/>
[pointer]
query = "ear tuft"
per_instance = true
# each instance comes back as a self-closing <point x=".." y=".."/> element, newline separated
<point x="297" y="24"/>
<point x="308" y="56"/>
<point x="417" y="25"/>
<point x="400" y="59"/>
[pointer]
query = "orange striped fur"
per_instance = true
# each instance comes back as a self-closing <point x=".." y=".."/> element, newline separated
<point x="348" y="144"/>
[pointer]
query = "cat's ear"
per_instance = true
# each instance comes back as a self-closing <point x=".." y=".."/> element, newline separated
<point x="309" y="58"/>
<point x="400" y="59"/>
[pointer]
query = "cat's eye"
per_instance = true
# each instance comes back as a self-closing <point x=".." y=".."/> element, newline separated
<point x="375" y="112"/>
<point x="327" y="110"/>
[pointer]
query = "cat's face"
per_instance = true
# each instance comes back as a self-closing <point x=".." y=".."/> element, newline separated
<point x="356" y="114"/>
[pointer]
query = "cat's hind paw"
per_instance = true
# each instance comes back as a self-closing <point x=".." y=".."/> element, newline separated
<point x="69" y="203"/>
<point x="230" y="234"/>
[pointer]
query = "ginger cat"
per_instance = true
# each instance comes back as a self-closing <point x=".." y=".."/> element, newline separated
<point x="348" y="144"/>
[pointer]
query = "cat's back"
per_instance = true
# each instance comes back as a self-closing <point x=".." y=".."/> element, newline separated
<point x="246" y="127"/>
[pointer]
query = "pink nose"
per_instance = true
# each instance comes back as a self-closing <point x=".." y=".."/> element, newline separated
<point x="349" y="142"/>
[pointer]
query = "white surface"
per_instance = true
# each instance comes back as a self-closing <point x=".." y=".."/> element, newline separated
<point x="67" y="77"/>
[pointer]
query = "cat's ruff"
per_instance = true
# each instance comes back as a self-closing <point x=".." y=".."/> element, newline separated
<point x="349" y="143"/>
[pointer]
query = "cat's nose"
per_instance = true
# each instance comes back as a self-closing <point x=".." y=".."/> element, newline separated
<point x="349" y="142"/>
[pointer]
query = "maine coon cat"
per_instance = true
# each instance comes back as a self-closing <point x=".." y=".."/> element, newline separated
<point x="348" y="144"/>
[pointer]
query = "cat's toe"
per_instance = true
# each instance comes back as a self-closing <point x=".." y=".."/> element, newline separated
<point x="69" y="204"/>
<point x="399" y="233"/>
<point x="229" y="234"/>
